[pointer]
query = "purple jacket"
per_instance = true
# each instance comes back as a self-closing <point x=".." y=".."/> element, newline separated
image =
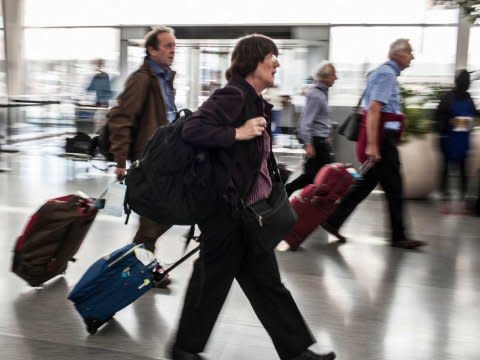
<point x="236" y="163"/>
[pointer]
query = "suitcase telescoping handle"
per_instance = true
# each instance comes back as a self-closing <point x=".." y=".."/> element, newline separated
<point x="169" y="269"/>
<point x="181" y="260"/>
<point x="366" y="166"/>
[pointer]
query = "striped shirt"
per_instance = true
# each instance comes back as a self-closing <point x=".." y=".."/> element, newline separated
<point x="382" y="86"/>
<point x="263" y="187"/>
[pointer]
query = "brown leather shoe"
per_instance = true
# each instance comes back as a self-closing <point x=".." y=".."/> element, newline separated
<point x="408" y="244"/>
<point x="331" y="230"/>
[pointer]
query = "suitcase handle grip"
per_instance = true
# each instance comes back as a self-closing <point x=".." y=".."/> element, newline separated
<point x="124" y="255"/>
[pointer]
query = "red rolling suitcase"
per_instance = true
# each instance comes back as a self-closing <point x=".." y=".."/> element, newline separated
<point x="52" y="237"/>
<point x="319" y="200"/>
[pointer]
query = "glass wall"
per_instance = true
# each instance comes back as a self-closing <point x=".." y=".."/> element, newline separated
<point x="59" y="65"/>
<point x="355" y="50"/>
<point x="201" y="65"/>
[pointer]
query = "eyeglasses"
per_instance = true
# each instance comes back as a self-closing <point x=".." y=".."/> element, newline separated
<point x="273" y="58"/>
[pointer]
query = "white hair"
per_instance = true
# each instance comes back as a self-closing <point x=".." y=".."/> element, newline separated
<point x="325" y="69"/>
<point x="398" y="45"/>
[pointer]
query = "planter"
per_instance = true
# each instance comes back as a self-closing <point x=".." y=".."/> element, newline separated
<point x="474" y="162"/>
<point x="421" y="162"/>
<point x="420" y="166"/>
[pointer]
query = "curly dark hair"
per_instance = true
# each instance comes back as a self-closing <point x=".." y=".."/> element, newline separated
<point x="249" y="51"/>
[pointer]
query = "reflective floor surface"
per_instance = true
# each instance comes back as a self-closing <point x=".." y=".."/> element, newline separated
<point x="363" y="299"/>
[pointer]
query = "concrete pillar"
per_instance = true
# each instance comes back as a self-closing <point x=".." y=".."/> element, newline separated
<point x="194" y="83"/>
<point x="463" y="37"/>
<point x="13" y="19"/>
<point x="126" y="34"/>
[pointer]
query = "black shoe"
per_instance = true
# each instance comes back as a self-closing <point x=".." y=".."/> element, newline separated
<point x="310" y="355"/>
<point x="331" y="230"/>
<point x="179" y="354"/>
<point x="408" y="244"/>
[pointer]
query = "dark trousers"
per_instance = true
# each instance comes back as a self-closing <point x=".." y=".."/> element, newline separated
<point x="323" y="155"/>
<point x="387" y="173"/>
<point x="148" y="232"/>
<point x="444" y="177"/>
<point x="226" y="255"/>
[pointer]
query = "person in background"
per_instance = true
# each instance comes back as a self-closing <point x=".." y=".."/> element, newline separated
<point x="454" y="122"/>
<point x="235" y="124"/>
<point x="380" y="131"/>
<point x="146" y="103"/>
<point x="100" y="83"/>
<point x="288" y="115"/>
<point x="315" y="127"/>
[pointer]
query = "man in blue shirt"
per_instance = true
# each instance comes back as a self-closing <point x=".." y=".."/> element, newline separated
<point x="315" y="127"/>
<point x="380" y="131"/>
<point x="146" y="103"/>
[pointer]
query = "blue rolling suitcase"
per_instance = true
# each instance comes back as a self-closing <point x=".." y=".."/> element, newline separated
<point x="115" y="281"/>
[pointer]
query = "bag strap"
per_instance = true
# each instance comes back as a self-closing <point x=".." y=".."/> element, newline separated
<point x="360" y="100"/>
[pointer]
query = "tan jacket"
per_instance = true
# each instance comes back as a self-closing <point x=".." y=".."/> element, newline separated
<point x="139" y="112"/>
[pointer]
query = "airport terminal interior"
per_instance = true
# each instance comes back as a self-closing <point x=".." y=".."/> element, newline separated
<point x="363" y="298"/>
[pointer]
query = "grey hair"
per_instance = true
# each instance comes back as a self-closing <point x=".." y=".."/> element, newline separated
<point x="324" y="70"/>
<point x="398" y="45"/>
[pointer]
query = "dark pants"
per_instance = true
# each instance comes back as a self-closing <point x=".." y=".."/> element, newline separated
<point x="148" y="232"/>
<point x="387" y="173"/>
<point x="226" y="255"/>
<point x="323" y="155"/>
<point x="446" y="167"/>
<point x="463" y="177"/>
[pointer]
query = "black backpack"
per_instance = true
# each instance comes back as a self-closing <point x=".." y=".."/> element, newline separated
<point x="171" y="184"/>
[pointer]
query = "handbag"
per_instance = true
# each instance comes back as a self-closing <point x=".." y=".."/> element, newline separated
<point x="268" y="221"/>
<point x="350" y="128"/>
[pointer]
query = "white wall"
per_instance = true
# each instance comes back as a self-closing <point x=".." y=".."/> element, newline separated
<point x="186" y="12"/>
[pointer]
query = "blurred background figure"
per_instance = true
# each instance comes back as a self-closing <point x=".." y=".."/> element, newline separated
<point x="100" y="84"/>
<point x="287" y="122"/>
<point x="272" y="95"/>
<point x="454" y="123"/>
<point x="316" y="126"/>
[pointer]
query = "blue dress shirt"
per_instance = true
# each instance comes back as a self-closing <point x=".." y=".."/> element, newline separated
<point x="164" y="75"/>
<point x="316" y="117"/>
<point x="382" y="86"/>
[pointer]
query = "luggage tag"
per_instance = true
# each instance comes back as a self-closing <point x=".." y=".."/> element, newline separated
<point x="114" y="199"/>
<point x="145" y="256"/>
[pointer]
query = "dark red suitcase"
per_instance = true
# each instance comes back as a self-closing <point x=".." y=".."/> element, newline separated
<point x="318" y="201"/>
<point x="52" y="237"/>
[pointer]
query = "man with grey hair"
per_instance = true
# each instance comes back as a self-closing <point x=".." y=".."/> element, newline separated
<point x="146" y="103"/>
<point x="315" y="126"/>
<point x="380" y="130"/>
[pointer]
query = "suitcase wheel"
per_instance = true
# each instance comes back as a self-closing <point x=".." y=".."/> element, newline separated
<point x="93" y="324"/>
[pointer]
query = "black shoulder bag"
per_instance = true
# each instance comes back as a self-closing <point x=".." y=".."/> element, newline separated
<point x="350" y="127"/>
<point x="268" y="221"/>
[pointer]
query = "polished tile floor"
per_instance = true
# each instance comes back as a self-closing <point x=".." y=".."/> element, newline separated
<point x="363" y="299"/>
